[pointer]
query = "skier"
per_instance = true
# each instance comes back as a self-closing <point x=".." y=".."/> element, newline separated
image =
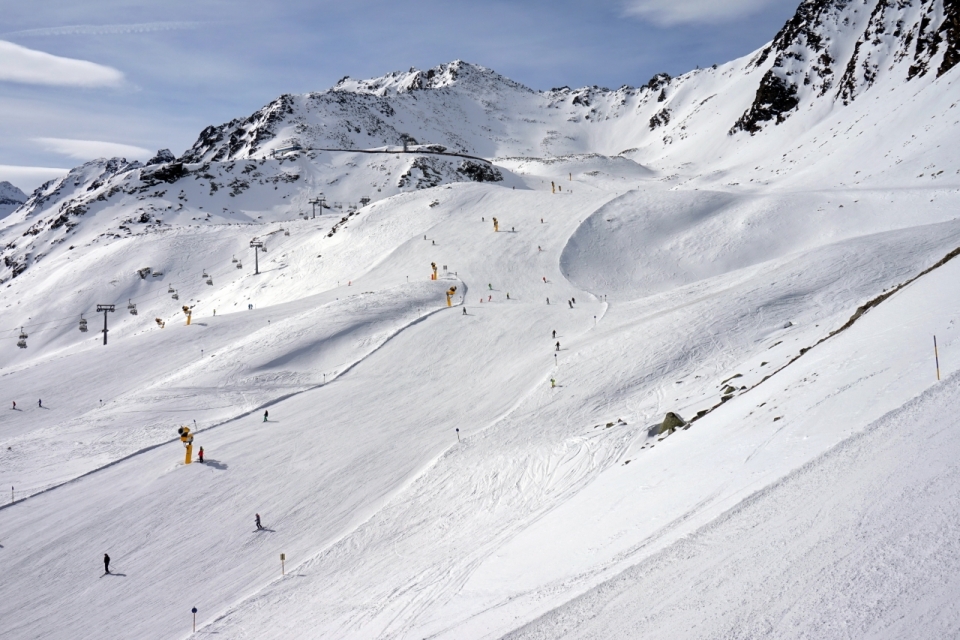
<point x="558" y="345"/>
<point x="489" y="287"/>
<point x="541" y="220"/>
<point x="574" y="300"/>
<point x="544" y="279"/>
<point x="200" y="456"/>
<point x="489" y="298"/>
<point x="538" y="248"/>
<point x="464" y="311"/>
<point x="553" y="383"/>
<point x="40" y="403"/>
<point x="508" y="295"/>
<point x="548" y="300"/>
<point x="570" y="303"/>
<point x="259" y="526"/>
<point x="265" y="414"/>
<point x="554" y="334"/>
<point x="106" y="564"/>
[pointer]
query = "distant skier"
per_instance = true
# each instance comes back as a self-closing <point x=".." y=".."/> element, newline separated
<point x="508" y="295"/>
<point x="554" y="334"/>
<point x="570" y="303"/>
<point x="574" y="300"/>
<point x="489" y="298"/>
<point x="548" y="300"/>
<point x="539" y="248"/>
<point x="265" y="415"/>
<point x="490" y="287"/>
<point x="553" y="383"/>
<point x="106" y="564"/>
<point x="558" y="345"/>
<point x="544" y="279"/>
<point x="464" y="311"/>
<point x="40" y="403"/>
<point x="200" y="455"/>
<point x="259" y="526"/>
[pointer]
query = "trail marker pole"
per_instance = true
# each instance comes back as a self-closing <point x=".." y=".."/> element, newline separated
<point x="104" y="308"/>
<point x="12" y="498"/>
<point x="256" y="245"/>
<point x="936" y="357"/>
<point x="194" y="610"/>
<point x="283" y="569"/>
<point x="458" y="434"/>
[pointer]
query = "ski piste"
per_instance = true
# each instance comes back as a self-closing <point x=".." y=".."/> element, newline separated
<point x="775" y="285"/>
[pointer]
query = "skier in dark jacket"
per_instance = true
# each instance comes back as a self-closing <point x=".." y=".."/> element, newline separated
<point x="106" y="563"/>
<point x="259" y="526"/>
<point x="265" y="414"/>
<point x="558" y="345"/>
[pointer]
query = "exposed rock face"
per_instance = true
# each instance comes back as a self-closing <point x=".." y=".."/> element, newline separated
<point x="814" y="53"/>
<point x="163" y="156"/>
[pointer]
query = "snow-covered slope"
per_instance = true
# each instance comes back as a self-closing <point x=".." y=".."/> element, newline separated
<point x="499" y="465"/>
<point x="10" y="198"/>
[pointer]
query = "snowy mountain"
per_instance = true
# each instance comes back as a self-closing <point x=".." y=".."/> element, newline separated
<point x="10" y="198"/>
<point x="687" y="387"/>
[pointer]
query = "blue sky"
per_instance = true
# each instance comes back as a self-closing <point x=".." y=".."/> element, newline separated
<point x="126" y="77"/>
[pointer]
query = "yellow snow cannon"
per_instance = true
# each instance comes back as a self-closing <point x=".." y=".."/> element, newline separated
<point x="450" y="294"/>
<point x="187" y="439"/>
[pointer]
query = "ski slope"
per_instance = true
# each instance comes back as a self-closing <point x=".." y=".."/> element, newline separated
<point x="496" y="468"/>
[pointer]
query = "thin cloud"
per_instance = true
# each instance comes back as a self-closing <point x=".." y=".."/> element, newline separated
<point x="29" y="66"/>
<point x="103" y="29"/>
<point x="29" y="178"/>
<point x="90" y="149"/>
<point x="674" y="12"/>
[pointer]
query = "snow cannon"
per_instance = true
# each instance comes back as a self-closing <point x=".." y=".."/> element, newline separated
<point x="496" y="225"/>
<point x="187" y="439"/>
<point x="159" y="321"/>
<point x="450" y="293"/>
<point x="433" y="265"/>
<point x="188" y="311"/>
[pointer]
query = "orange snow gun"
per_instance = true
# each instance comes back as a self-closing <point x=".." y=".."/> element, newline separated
<point x="160" y="323"/>
<point x="433" y="265"/>
<point x="187" y="439"/>
<point x="188" y="311"/>
<point x="496" y="225"/>
<point x="450" y="294"/>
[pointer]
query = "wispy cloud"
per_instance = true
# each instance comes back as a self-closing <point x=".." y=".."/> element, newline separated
<point x="103" y="29"/>
<point x="29" y="66"/>
<point x="90" y="149"/>
<point x="29" y="178"/>
<point x="673" y="12"/>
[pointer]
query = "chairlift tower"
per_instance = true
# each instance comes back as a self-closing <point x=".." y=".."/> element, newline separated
<point x="256" y="245"/>
<point x="105" y="308"/>
<point x="319" y="200"/>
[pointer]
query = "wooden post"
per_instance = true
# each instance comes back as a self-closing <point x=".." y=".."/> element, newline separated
<point x="283" y="569"/>
<point x="936" y="357"/>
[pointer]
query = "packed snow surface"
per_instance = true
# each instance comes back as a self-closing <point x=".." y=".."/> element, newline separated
<point x="497" y="467"/>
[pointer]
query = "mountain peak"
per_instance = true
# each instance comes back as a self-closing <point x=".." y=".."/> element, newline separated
<point x="441" y="76"/>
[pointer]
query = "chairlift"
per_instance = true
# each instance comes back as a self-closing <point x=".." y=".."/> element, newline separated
<point x="22" y="344"/>
<point x="175" y="296"/>
<point x="158" y="274"/>
<point x="286" y="233"/>
<point x="239" y="265"/>
<point x="83" y="323"/>
<point x="209" y="280"/>
<point x="23" y="336"/>
<point x="234" y="259"/>
<point x="170" y="289"/>
<point x="205" y="274"/>
<point x="132" y="308"/>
